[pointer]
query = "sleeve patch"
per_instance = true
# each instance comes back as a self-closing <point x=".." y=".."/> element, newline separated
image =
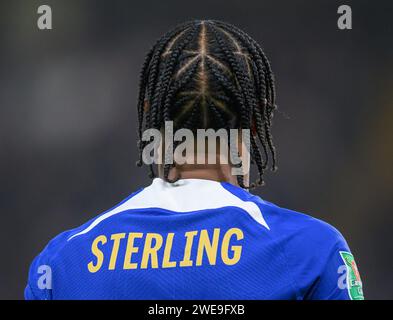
<point x="354" y="283"/>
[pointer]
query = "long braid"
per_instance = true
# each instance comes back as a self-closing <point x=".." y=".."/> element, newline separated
<point x="270" y="103"/>
<point x="244" y="83"/>
<point x="267" y="95"/>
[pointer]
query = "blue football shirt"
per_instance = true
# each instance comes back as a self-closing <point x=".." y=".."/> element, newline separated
<point x="196" y="239"/>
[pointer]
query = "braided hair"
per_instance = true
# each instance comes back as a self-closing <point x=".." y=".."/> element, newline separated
<point x="209" y="74"/>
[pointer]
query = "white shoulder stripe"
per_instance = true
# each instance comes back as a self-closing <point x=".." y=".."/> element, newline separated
<point x="184" y="196"/>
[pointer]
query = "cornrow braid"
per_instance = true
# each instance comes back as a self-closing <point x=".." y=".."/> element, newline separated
<point x="265" y="75"/>
<point x="209" y="74"/>
<point x="148" y="83"/>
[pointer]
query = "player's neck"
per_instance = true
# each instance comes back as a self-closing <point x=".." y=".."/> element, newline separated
<point x="214" y="172"/>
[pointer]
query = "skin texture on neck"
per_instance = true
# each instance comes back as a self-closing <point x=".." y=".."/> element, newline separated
<point x="221" y="170"/>
<point x="215" y="172"/>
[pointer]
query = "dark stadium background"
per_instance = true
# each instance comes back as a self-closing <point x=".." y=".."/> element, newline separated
<point x="67" y="117"/>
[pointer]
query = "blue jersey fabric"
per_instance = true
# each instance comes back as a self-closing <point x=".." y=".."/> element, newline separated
<point x="197" y="239"/>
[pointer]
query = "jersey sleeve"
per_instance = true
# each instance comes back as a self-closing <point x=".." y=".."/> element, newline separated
<point x="43" y="268"/>
<point x="339" y="278"/>
<point x="321" y="263"/>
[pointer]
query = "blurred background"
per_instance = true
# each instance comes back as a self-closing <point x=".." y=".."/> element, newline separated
<point x="68" y="117"/>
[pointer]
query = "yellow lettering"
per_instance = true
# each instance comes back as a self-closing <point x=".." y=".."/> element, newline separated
<point x="237" y="250"/>
<point x="98" y="253"/>
<point x="166" y="263"/>
<point x="209" y="247"/>
<point x="115" y="250"/>
<point x="131" y="249"/>
<point x="187" y="262"/>
<point x="150" y="251"/>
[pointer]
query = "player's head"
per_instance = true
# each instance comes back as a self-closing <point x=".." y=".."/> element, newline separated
<point x="209" y="74"/>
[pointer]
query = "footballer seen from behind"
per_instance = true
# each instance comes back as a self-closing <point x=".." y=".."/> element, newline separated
<point x="197" y="232"/>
